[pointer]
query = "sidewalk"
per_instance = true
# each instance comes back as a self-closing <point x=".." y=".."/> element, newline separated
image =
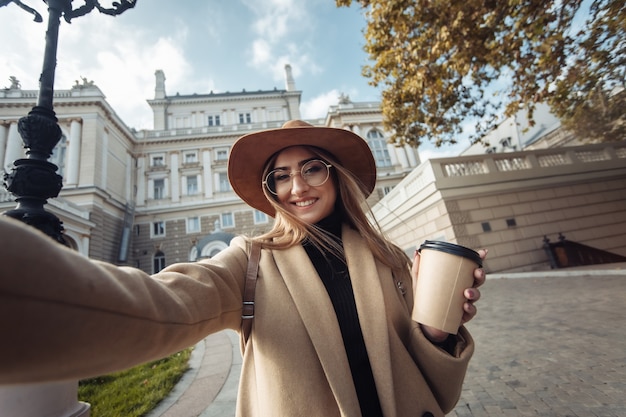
<point x="551" y="344"/>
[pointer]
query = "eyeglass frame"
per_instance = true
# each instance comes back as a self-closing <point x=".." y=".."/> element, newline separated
<point x="293" y="173"/>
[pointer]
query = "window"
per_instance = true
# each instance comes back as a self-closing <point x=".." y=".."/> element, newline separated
<point x="158" y="229"/>
<point x="191" y="157"/>
<point x="511" y="222"/>
<point x="214" y="120"/>
<point x="387" y="189"/>
<point x="224" y="184"/>
<point x="222" y="155"/>
<point x="228" y="220"/>
<point x="158" y="161"/>
<point x="158" y="262"/>
<point x="193" y="224"/>
<point x="486" y="227"/>
<point x="378" y="145"/>
<point x="245" y="118"/>
<point x="192" y="185"/>
<point x="259" y="217"/>
<point x="159" y="189"/>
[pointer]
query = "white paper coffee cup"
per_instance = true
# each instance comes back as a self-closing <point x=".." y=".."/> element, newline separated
<point x="445" y="271"/>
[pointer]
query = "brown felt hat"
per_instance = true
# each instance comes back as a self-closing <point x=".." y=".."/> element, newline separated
<point x="251" y="152"/>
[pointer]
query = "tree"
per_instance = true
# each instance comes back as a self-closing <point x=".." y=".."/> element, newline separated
<point x="443" y="63"/>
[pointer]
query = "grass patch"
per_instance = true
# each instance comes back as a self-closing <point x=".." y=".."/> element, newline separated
<point x="136" y="391"/>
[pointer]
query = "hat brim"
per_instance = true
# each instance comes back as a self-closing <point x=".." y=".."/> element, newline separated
<point x="251" y="152"/>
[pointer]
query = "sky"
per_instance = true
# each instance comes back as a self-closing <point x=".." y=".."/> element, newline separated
<point x="202" y="46"/>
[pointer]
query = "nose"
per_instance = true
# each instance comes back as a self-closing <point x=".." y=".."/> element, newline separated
<point x="298" y="185"/>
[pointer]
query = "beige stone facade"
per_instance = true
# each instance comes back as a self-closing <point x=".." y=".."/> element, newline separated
<point x="508" y="202"/>
<point x="151" y="198"/>
<point x="160" y="196"/>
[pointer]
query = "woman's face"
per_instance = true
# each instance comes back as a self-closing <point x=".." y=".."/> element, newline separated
<point x="308" y="203"/>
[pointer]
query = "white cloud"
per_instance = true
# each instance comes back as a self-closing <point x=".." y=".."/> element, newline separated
<point x="119" y="58"/>
<point x="261" y="52"/>
<point x="318" y="106"/>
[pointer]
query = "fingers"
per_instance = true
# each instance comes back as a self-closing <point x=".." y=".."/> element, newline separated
<point x="472" y="294"/>
<point x="479" y="277"/>
<point x="479" y="273"/>
<point x="469" y="311"/>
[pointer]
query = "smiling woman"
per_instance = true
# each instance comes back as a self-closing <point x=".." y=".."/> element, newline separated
<point x="333" y="296"/>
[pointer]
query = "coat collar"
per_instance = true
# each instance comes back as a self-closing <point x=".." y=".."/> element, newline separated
<point x="318" y="316"/>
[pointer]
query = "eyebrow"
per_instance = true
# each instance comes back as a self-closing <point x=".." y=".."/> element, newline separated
<point x="304" y="161"/>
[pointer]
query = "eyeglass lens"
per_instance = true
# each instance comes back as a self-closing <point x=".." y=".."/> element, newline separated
<point x="314" y="173"/>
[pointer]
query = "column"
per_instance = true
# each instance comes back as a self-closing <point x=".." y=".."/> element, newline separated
<point x="140" y="197"/>
<point x="105" y="156"/>
<point x="207" y="173"/>
<point x="14" y="149"/>
<point x="4" y="133"/>
<point x="410" y="152"/>
<point x="73" y="153"/>
<point x="129" y="178"/>
<point x="175" y="175"/>
<point x="404" y="162"/>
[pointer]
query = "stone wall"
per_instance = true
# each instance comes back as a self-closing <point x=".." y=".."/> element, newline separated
<point x="509" y="202"/>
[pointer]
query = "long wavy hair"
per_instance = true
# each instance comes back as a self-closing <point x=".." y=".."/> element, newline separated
<point x="351" y="204"/>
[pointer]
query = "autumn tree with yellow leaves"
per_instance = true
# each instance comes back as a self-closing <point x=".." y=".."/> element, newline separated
<point x="441" y="63"/>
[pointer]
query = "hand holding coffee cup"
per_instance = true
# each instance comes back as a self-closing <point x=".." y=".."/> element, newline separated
<point x="447" y="279"/>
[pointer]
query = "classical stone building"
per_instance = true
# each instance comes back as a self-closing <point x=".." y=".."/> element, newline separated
<point x="154" y="197"/>
<point x="531" y="184"/>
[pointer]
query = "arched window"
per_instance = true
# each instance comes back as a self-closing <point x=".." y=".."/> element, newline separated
<point x="213" y="248"/>
<point x="378" y="145"/>
<point x="158" y="262"/>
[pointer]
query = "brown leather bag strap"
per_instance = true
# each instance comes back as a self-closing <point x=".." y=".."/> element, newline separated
<point x="247" y="313"/>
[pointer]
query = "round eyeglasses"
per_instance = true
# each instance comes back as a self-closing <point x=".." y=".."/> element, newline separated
<point x="314" y="173"/>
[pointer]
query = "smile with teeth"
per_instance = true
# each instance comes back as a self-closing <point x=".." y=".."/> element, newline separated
<point x="304" y="203"/>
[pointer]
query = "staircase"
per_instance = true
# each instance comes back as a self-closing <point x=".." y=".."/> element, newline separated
<point x="565" y="254"/>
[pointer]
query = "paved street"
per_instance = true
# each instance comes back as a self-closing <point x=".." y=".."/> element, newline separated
<point x="546" y="346"/>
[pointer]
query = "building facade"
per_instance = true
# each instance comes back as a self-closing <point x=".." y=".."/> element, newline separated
<point x="154" y="197"/>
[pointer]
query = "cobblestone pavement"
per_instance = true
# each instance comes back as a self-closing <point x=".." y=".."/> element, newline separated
<point x="547" y="346"/>
<point x="553" y="346"/>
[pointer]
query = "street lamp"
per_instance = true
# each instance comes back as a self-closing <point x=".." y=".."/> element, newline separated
<point x="33" y="179"/>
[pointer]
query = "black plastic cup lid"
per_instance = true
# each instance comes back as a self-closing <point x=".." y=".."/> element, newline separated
<point x="453" y="249"/>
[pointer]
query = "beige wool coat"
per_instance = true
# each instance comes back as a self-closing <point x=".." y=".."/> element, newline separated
<point x="63" y="316"/>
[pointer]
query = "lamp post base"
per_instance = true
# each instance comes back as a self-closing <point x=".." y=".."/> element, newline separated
<point x="52" y="399"/>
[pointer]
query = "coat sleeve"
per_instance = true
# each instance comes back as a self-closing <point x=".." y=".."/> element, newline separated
<point x="443" y="367"/>
<point x="63" y="316"/>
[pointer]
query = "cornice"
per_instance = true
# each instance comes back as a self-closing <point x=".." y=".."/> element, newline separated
<point x="222" y="97"/>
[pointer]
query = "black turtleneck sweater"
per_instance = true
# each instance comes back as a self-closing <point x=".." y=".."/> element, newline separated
<point x="336" y="279"/>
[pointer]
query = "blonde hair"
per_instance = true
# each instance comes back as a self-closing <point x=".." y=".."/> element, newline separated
<point x="288" y="230"/>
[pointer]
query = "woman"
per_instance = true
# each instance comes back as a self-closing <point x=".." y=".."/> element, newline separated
<point x="332" y="333"/>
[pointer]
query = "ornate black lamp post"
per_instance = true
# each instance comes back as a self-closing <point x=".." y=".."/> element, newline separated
<point x="33" y="179"/>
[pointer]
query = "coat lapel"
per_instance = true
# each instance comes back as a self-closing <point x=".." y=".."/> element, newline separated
<point x="366" y="275"/>
<point x="318" y="316"/>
